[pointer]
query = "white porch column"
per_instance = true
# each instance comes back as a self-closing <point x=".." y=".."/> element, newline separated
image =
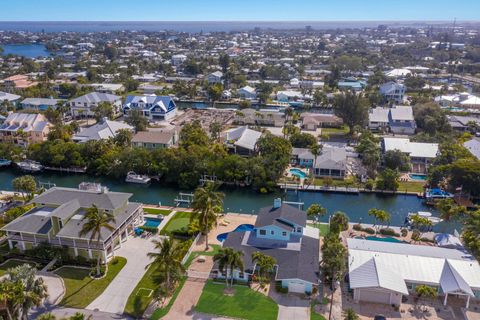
<point x="23" y="245"/>
<point x="10" y="244"/>
<point x="468" y="302"/>
<point x="105" y="255"/>
<point x="445" y="300"/>
<point x="90" y="255"/>
<point x="75" y="250"/>
<point x="34" y="240"/>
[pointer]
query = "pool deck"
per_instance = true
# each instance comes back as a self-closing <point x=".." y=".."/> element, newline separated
<point x="227" y="223"/>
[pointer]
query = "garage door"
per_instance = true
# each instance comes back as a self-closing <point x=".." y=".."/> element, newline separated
<point x="298" y="287"/>
<point x="375" y="296"/>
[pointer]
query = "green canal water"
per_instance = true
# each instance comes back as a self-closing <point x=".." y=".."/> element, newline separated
<point x="245" y="200"/>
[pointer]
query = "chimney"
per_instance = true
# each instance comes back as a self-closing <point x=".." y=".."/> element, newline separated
<point x="277" y="203"/>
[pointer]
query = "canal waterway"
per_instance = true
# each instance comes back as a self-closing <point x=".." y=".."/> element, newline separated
<point x="244" y="200"/>
<point x="29" y="50"/>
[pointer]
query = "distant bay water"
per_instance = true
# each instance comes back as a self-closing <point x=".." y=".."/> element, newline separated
<point x="29" y="50"/>
<point x="193" y="26"/>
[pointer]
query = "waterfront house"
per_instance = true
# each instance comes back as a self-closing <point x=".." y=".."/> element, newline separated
<point x="313" y="121"/>
<point x="398" y="73"/>
<point x="57" y="219"/>
<point x="110" y="88"/>
<point x="260" y="117"/>
<point x="155" y="138"/>
<point x="401" y="121"/>
<point x="281" y="232"/>
<point x="215" y="77"/>
<point x="384" y="272"/>
<point x="462" y="100"/>
<point x="247" y="93"/>
<point x="393" y="91"/>
<point x="84" y="106"/>
<point x="105" y="129"/>
<point x="331" y="163"/>
<point x="39" y="104"/>
<point x="178" y="59"/>
<point x="421" y="154"/>
<point x="461" y="123"/>
<point x="351" y="84"/>
<point x="242" y="140"/>
<point x="153" y="107"/>
<point x="24" y="128"/>
<point x="289" y="95"/>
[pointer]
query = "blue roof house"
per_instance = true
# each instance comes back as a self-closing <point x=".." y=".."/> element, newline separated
<point x="154" y="107"/>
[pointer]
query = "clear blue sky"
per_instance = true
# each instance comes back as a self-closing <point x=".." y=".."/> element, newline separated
<point x="223" y="10"/>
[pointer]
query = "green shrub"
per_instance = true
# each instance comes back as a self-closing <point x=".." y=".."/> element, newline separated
<point x="389" y="232"/>
<point x="357" y="227"/>
<point x="369" y="230"/>
<point x="149" y="229"/>
<point x="279" y="288"/>
<point x="404" y="232"/>
<point x="415" y="235"/>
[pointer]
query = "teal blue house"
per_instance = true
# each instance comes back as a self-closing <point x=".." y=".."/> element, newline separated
<point x="281" y="232"/>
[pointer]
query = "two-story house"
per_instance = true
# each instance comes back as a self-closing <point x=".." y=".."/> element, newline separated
<point x="393" y="91"/>
<point x="155" y="139"/>
<point x="332" y="162"/>
<point x="401" y="120"/>
<point x="421" y="154"/>
<point x="24" y="128"/>
<point x="152" y="106"/>
<point x="84" y="106"/>
<point x="58" y="218"/>
<point x="39" y="104"/>
<point x="281" y="232"/>
<point x="215" y="77"/>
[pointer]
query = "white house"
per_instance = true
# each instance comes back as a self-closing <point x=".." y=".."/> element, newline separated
<point x="178" y="59"/>
<point x="85" y="105"/>
<point x="384" y="272"/>
<point x="103" y="130"/>
<point x="215" y="77"/>
<point x="421" y="154"/>
<point x="247" y="93"/>
<point x="378" y="118"/>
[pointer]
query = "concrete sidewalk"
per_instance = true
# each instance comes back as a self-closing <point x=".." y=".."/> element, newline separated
<point x="114" y="298"/>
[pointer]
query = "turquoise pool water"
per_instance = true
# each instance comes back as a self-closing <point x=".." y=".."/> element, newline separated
<point x="418" y="177"/>
<point x="243" y="227"/>
<point x="386" y="239"/>
<point x="298" y="173"/>
<point x="151" y="222"/>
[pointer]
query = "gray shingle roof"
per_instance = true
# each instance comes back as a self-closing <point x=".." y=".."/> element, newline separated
<point x="96" y="97"/>
<point x="103" y="200"/>
<point x="36" y="221"/>
<point x="267" y="216"/>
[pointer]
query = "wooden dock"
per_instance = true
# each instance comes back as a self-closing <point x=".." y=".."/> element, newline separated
<point x="311" y="188"/>
<point x="73" y="170"/>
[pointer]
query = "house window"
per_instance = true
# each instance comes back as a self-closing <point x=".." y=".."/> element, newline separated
<point x="241" y="275"/>
<point x="284" y="233"/>
<point x="272" y="232"/>
<point x="263" y="232"/>
<point x="299" y="229"/>
<point x="60" y="223"/>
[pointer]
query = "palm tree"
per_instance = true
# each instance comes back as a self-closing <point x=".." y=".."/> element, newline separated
<point x="316" y="150"/>
<point x="229" y="259"/>
<point x="207" y="203"/>
<point x="315" y="212"/>
<point x="449" y="210"/>
<point x="34" y="288"/>
<point x="350" y="314"/>
<point x="169" y="261"/>
<point x="379" y="215"/>
<point x="95" y="221"/>
<point x="12" y="295"/>
<point x="265" y="263"/>
<point x="424" y="291"/>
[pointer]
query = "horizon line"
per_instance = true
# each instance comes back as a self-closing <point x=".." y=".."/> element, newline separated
<point x="287" y="21"/>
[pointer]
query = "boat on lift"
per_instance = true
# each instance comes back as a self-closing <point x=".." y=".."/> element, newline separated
<point x="5" y="163"/>
<point x="137" y="178"/>
<point x="30" y="166"/>
<point x="424" y="214"/>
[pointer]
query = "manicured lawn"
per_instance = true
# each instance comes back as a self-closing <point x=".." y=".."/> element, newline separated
<point x="411" y="186"/>
<point x="137" y="303"/>
<point x="163" y="212"/>
<point x="179" y="221"/>
<point x="335" y="183"/>
<point x="81" y="289"/>
<point x="245" y="303"/>
<point x="195" y="254"/>
<point x="161" y="312"/>
<point x="322" y="228"/>
<point x="314" y="315"/>
<point x="12" y="263"/>
<point x="336" y="131"/>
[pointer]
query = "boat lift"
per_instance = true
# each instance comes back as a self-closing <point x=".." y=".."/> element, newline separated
<point x="299" y="204"/>
<point x="206" y="178"/>
<point x="183" y="198"/>
<point x="46" y="185"/>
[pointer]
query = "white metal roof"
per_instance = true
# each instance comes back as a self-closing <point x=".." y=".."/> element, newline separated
<point x="414" y="149"/>
<point x="413" y="263"/>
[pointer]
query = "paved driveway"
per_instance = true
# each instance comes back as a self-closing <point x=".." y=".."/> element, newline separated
<point x="290" y="306"/>
<point x="114" y="298"/>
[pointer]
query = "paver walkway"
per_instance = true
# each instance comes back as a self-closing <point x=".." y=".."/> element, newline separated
<point x="184" y="305"/>
<point x="114" y="298"/>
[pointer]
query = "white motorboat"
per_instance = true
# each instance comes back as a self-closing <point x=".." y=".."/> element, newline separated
<point x="5" y="162"/>
<point x="137" y="178"/>
<point x="424" y="214"/>
<point x="30" y="166"/>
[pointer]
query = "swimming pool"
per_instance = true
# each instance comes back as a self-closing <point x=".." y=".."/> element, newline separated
<point x="151" y="222"/>
<point x="417" y="177"/>
<point x="298" y="173"/>
<point x="385" y="239"/>
<point x="243" y="227"/>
